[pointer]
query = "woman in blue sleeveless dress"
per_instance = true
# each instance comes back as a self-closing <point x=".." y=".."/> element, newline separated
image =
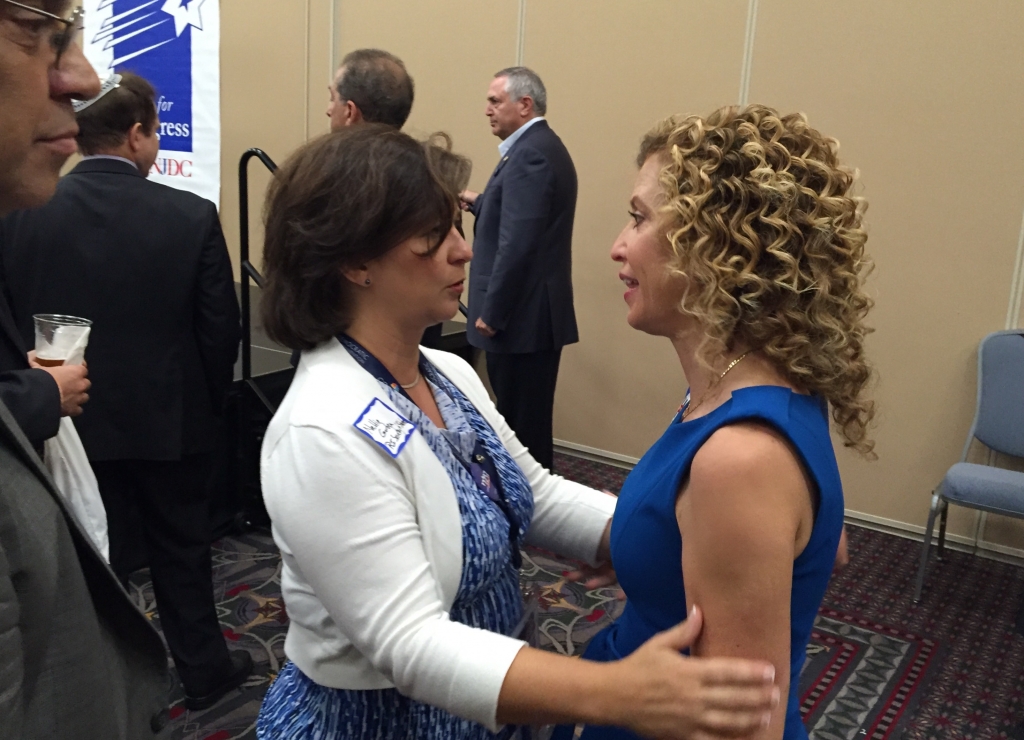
<point x="745" y="249"/>
<point x="399" y="497"/>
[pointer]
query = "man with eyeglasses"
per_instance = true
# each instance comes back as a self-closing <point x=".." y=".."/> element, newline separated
<point x="77" y="658"/>
<point x="161" y="358"/>
<point x="36" y="397"/>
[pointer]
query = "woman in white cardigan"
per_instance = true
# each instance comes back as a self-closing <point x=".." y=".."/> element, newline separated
<point x="399" y="497"/>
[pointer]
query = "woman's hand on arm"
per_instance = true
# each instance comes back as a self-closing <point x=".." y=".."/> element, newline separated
<point x="656" y="691"/>
<point x="744" y="514"/>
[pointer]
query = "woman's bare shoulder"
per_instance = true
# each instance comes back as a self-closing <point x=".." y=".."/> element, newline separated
<point x="750" y="469"/>
<point x="744" y="449"/>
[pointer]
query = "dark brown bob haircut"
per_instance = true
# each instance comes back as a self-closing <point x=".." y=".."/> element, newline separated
<point x="341" y="201"/>
<point x="106" y="123"/>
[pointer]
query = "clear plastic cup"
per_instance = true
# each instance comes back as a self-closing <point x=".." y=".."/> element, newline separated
<point x="61" y="340"/>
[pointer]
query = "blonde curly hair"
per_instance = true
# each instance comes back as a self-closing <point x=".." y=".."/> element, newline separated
<point x="763" y="225"/>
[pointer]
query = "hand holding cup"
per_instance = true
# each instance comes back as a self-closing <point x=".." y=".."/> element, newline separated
<point x="60" y="351"/>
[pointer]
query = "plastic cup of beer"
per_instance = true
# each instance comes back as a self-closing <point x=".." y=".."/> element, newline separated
<point x="61" y="340"/>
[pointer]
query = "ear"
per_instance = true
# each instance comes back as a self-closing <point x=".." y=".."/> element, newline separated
<point x="352" y="113"/>
<point x="525" y="104"/>
<point x="135" y="136"/>
<point x="356" y="275"/>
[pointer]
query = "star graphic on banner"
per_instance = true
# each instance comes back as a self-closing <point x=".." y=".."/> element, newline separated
<point x="186" y="13"/>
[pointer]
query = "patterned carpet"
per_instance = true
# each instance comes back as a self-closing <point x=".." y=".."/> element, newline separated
<point x="972" y="686"/>
<point x="878" y="667"/>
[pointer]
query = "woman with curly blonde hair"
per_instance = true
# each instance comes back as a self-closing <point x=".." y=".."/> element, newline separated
<point x="745" y="249"/>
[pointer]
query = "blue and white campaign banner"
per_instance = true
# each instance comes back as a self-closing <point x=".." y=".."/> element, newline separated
<point x="175" y="44"/>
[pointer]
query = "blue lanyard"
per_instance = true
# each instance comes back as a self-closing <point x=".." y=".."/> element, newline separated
<point x="480" y="466"/>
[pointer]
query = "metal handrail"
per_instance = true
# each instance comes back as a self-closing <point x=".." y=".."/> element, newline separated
<point x="247" y="269"/>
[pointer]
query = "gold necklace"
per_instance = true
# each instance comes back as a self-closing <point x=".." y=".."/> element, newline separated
<point x="690" y="409"/>
<point x="413" y="384"/>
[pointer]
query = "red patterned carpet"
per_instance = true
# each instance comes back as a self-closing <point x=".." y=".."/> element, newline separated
<point x="878" y="667"/>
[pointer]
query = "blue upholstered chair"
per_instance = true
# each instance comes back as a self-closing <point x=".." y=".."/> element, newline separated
<point x="999" y="425"/>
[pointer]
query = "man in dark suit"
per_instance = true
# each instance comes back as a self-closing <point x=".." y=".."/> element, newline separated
<point x="78" y="660"/>
<point x="149" y="266"/>
<point x="520" y="282"/>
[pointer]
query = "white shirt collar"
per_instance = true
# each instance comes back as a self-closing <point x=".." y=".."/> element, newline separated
<point x="503" y="147"/>
<point x="110" y="156"/>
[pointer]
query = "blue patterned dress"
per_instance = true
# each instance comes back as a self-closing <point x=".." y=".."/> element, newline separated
<point x="489" y="598"/>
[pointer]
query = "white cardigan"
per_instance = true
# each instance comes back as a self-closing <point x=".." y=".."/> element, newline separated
<point x="372" y="545"/>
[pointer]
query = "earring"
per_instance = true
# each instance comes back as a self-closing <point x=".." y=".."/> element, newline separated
<point x="367" y="281"/>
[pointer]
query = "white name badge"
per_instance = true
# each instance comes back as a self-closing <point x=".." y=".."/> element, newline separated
<point x="385" y="426"/>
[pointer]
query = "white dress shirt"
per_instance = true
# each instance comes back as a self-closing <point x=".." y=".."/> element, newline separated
<point x="110" y="156"/>
<point x="505" y="146"/>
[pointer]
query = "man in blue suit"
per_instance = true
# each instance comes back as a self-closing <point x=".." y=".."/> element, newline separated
<point x="520" y="284"/>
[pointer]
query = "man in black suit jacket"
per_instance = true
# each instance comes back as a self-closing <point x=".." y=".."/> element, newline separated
<point x="149" y="266"/>
<point x="78" y="660"/>
<point x="520" y="282"/>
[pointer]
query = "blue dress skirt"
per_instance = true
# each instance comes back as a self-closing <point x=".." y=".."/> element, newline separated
<point x="297" y="708"/>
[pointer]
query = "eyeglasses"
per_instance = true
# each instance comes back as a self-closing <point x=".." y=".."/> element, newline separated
<point x="62" y="38"/>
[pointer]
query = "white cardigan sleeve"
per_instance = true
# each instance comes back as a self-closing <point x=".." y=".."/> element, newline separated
<point x="354" y="534"/>
<point x="568" y="518"/>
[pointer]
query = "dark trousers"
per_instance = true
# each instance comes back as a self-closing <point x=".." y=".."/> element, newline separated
<point x="524" y="385"/>
<point x="168" y="503"/>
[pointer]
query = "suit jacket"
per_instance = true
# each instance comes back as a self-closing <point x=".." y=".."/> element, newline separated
<point x="520" y="280"/>
<point x="31" y="395"/>
<point x="78" y="660"/>
<point x="148" y="265"/>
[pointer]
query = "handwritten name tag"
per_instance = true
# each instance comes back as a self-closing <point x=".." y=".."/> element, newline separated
<point x="385" y="426"/>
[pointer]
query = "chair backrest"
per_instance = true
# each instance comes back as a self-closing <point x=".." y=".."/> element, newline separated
<point x="999" y="421"/>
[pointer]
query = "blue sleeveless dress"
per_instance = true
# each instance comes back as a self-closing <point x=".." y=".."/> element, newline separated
<point x="647" y="546"/>
<point x="297" y="708"/>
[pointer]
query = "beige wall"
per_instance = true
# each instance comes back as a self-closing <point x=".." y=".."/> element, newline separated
<point x="925" y="98"/>
<point x="274" y="67"/>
